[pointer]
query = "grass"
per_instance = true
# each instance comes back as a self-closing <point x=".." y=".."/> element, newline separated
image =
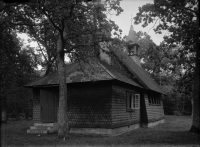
<point x="175" y="132"/>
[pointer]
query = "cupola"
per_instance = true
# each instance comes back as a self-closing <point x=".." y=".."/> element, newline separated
<point x="133" y="47"/>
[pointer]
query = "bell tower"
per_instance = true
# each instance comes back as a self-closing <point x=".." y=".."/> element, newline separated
<point x="133" y="47"/>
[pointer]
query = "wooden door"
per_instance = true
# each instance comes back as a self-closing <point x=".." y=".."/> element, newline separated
<point x="48" y="106"/>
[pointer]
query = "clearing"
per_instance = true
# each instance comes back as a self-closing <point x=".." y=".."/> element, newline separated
<point x="174" y="132"/>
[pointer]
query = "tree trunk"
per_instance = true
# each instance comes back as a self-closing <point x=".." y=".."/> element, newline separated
<point x="192" y="103"/>
<point x="63" y="128"/>
<point x="183" y="108"/>
<point x="196" y="101"/>
<point x="3" y="109"/>
<point x="3" y="116"/>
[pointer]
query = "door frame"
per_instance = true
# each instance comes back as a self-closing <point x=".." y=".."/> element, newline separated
<point x="52" y="91"/>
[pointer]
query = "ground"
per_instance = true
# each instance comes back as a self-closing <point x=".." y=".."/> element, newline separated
<point x="174" y="132"/>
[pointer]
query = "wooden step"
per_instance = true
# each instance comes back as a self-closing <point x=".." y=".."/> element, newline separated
<point x="37" y="131"/>
<point x="40" y="127"/>
<point x="44" y="124"/>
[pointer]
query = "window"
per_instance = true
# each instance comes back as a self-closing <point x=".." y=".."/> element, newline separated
<point x="154" y="100"/>
<point x="133" y="101"/>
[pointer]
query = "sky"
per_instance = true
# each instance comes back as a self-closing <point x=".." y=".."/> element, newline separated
<point x="123" y="20"/>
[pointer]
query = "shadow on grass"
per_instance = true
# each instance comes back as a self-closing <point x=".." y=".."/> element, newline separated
<point x="174" y="132"/>
<point x="139" y="137"/>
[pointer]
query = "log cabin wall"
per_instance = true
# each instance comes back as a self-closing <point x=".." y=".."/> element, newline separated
<point x="89" y="104"/>
<point x="120" y="115"/>
<point x="100" y="104"/>
<point x="155" y="111"/>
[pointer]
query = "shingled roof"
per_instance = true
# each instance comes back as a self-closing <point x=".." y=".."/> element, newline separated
<point x="144" y="78"/>
<point x="91" y="70"/>
<point x="96" y="70"/>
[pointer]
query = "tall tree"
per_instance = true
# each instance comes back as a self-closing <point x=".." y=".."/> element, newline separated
<point x="46" y="38"/>
<point x="74" y="28"/>
<point x="16" y="69"/>
<point x="181" y="18"/>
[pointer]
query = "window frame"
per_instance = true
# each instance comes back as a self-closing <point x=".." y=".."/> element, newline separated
<point x="133" y="101"/>
<point x="154" y="100"/>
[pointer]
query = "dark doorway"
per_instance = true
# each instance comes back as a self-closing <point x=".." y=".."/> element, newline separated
<point x="48" y="105"/>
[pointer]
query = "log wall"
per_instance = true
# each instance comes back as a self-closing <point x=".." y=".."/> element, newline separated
<point x="120" y="115"/>
<point x="154" y="112"/>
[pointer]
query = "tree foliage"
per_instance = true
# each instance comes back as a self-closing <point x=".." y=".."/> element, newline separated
<point x="77" y="27"/>
<point x="181" y="19"/>
<point x="16" y="69"/>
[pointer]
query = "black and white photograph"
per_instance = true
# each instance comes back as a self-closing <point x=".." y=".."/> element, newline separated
<point x="99" y="73"/>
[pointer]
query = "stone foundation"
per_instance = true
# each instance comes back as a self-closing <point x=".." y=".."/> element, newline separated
<point x="53" y="127"/>
<point x="103" y="131"/>
<point x="152" y="124"/>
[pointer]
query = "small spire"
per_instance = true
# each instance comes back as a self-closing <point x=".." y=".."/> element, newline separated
<point x="132" y="35"/>
<point x="133" y="47"/>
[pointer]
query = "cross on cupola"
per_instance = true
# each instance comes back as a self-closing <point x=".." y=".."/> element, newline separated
<point x="133" y="47"/>
<point x="131" y="20"/>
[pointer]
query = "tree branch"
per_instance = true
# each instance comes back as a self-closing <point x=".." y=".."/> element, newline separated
<point x="180" y="7"/>
<point x="26" y="24"/>
<point x="42" y="51"/>
<point x="55" y="26"/>
<point x="153" y="25"/>
<point x="4" y="6"/>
